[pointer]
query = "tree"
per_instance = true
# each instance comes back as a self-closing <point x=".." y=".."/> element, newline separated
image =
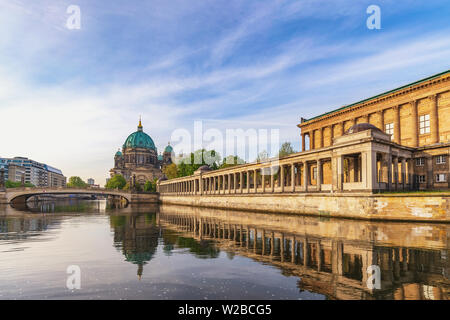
<point x="171" y="171"/>
<point x="263" y="155"/>
<point x="286" y="149"/>
<point x="12" y="184"/>
<point x="231" y="161"/>
<point x="150" y="186"/>
<point x="76" y="182"/>
<point x="195" y="160"/>
<point x="116" y="182"/>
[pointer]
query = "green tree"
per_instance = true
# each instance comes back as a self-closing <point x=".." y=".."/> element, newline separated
<point x="286" y="149"/>
<point x="12" y="184"/>
<point x="76" y="182"/>
<point x="263" y="155"/>
<point x="171" y="171"/>
<point x="116" y="182"/>
<point x="195" y="160"/>
<point x="231" y="161"/>
<point x="150" y="186"/>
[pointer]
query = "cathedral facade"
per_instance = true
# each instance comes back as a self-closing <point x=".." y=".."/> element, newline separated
<point x="139" y="160"/>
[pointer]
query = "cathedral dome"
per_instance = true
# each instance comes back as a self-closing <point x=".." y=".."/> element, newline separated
<point x="118" y="153"/>
<point x="139" y="139"/>
<point x="168" y="149"/>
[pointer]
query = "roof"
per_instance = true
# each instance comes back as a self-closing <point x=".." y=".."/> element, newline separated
<point x="381" y="94"/>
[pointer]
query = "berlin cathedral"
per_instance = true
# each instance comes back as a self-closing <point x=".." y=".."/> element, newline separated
<point x="139" y="159"/>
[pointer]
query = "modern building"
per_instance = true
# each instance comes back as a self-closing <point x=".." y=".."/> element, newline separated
<point x="415" y="116"/>
<point x="90" y="181"/>
<point x="139" y="158"/>
<point x="16" y="173"/>
<point x="36" y="173"/>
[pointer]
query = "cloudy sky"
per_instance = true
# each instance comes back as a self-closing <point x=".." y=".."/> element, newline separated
<point x="70" y="98"/>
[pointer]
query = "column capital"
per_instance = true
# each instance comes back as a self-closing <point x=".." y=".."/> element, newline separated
<point x="433" y="97"/>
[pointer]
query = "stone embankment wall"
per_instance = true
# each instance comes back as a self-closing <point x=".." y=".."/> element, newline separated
<point x="406" y="207"/>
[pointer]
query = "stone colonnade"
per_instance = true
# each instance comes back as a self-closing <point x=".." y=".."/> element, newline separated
<point x="363" y="166"/>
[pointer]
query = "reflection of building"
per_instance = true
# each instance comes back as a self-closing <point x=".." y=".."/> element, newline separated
<point x="415" y="116"/>
<point x="137" y="237"/>
<point x="36" y="173"/>
<point x="330" y="257"/>
<point x="139" y="158"/>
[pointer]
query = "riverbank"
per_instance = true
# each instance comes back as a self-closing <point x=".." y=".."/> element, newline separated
<point x="430" y="207"/>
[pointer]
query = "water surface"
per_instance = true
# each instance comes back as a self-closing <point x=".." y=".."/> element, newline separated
<point x="172" y="252"/>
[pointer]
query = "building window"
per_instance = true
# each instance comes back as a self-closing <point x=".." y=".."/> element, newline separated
<point x="424" y="124"/>
<point x="421" y="179"/>
<point x="440" y="177"/>
<point x="441" y="159"/>
<point x="315" y="173"/>
<point x="420" y="162"/>
<point x="390" y="129"/>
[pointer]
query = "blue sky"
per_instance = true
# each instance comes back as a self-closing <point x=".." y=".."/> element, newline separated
<point x="71" y="97"/>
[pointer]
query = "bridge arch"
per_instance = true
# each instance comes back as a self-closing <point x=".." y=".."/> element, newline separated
<point x="21" y="195"/>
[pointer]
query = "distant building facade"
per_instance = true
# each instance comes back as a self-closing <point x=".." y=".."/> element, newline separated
<point x="139" y="158"/>
<point x="36" y="173"/>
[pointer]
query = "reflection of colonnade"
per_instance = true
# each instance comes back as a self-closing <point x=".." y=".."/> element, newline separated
<point x="331" y="266"/>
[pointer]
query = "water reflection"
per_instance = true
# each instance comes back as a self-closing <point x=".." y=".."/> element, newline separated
<point x="326" y="257"/>
<point x="329" y="257"/>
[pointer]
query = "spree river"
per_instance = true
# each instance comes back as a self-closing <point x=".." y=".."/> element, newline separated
<point x="173" y="252"/>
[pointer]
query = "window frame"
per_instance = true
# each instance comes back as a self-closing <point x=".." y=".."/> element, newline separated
<point x="424" y="124"/>
<point x="438" y="175"/>
<point x="389" y="129"/>
<point x="441" y="159"/>
<point x="420" y="162"/>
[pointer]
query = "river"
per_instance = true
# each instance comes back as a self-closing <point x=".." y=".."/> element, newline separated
<point x="173" y="252"/>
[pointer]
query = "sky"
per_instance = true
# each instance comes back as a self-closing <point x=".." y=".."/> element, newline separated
<point x="70" y="97"/>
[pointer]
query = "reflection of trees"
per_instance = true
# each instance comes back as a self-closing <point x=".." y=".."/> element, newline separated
<point x="137" y="237"/>
<point x="203" y="249"/>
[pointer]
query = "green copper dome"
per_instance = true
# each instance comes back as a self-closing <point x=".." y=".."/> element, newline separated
<point x="160" y="157"/>
<point x="168" y="149"/>
<point x="118" y="153"/>
<point x="139" y="139"/>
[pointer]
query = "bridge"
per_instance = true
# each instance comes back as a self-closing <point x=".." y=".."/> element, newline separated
<point x="21" y="195"/>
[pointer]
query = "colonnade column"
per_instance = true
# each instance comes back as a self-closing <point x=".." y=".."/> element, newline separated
<point x="263" y="179"/>
<point x="282" y="177"/>
<point x="255" y="180"/>
<point x="403" y="173"/>
<point x="241" y="180"/>
<point x="305" y="176"/>
<point x="395" y="180"/>
<point x="248" y="181"/>
<point x="293" y="177"/>
<point x="319" y="175"/>
<point x="272" y="180"/>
